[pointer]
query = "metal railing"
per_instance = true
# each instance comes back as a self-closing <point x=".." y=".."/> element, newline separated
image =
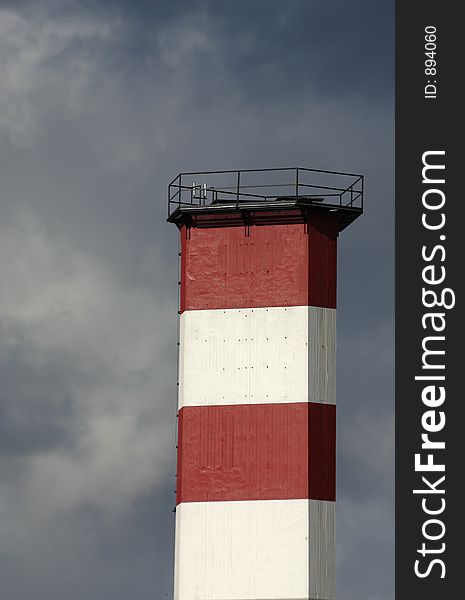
<point x="332" y="189"/>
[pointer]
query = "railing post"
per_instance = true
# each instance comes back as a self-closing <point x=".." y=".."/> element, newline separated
<point x="238" y="187"/>
<point x="363" y="179"/>
<point x="297" y="183"/>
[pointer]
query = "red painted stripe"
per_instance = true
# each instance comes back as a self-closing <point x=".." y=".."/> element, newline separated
<point x="322" y="451"/>
<point x="322" y="275"/>
<point x="256" y="452"/>
<point x="263" y="265"/>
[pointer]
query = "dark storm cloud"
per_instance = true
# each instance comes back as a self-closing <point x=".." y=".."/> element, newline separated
<point x="102" y="104"/>
<point x="287" y="48"/>
<point x="36" y="408"/>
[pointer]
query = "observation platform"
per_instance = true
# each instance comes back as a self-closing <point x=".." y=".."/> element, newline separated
<point x="251" y="196"/>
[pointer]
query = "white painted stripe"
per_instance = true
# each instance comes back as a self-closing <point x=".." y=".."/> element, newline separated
<point x="257" y="355"/>
<point x="267" y="549"/>
<point x="322" y="549"/>
<point x="321" y="355"/>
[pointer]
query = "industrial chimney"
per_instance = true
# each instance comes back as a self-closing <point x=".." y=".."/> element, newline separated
<point x="256" y="470"/>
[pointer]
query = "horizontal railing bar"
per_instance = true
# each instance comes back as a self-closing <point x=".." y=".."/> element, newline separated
<point x="242" y="187"/>
<point x="214" y="206"/>
<point x="173" y="201"/>
<point x="233" y="187"/>
<point x="224" y="191"/>
<point x="267" y="171"/>
<point x="238" y="171"/>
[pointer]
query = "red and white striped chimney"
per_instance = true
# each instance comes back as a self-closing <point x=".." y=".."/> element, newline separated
<point x="256" y="487"/>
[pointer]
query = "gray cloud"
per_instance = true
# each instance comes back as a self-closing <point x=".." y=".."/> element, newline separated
<point x="102" y="104"/>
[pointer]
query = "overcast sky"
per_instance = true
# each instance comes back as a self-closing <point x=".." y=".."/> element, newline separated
<point x="101" y="105"/>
